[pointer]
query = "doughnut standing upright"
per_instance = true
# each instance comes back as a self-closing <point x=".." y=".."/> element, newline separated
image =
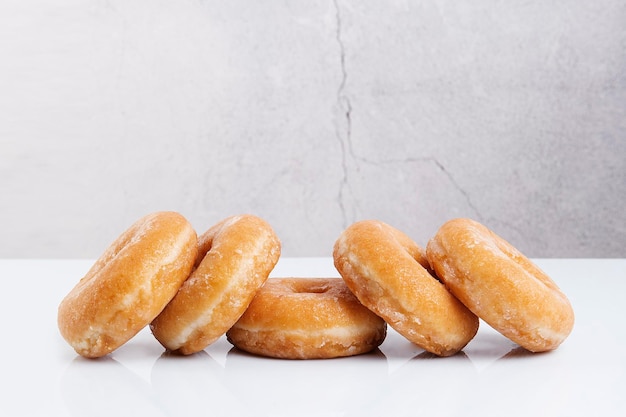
<point x="388" y="273"/>
<point x="307" y="318"/>
<point x="500" y="285"/>
<point x="129" y="284"/>
<point x="235" y="258"/>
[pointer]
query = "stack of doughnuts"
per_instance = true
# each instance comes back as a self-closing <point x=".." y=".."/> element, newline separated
<point x="191" y="290"/>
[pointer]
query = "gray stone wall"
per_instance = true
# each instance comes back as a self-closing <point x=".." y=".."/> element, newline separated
<point x="313" y="115"/>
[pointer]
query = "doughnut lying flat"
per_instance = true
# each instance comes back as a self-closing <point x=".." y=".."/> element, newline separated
<point x="307" y="318"/>
<point x="129" y="284"/>
<point x="235" y="258"/>
<point x="500" y="285"/>
<point x="387" y="272"/>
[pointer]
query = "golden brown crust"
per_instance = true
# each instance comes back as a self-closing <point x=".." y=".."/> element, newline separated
<point x="387" y="272"/>
<point x="307" y="318"/>
<point x="500" y="285"/>
<point x="235" y="258"/>
<point x="129" y="284"/>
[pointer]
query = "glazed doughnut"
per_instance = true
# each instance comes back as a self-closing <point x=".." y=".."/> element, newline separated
<point x="235" y="258"/>
<point x="500" y="285"/>
<point x="307" y="318"/>
<point x="388" y="273"/>
<point x="129" y="284"/>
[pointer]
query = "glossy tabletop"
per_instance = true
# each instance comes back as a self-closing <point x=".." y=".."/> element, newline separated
<point x="42" y="376"/>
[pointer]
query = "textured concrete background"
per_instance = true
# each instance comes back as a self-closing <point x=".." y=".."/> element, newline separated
<point x="312" y="115"/>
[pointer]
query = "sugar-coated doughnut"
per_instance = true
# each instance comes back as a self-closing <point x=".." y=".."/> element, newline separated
<point x="235" y="258"/>
<point x="129" y="284"/>
<point x="388" y="273"/>
<point x="500" y="285"/>
<point x="307" y="318"/>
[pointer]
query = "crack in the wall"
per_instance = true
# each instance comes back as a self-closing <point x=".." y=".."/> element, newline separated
<point x="447" y="173"/>
<point x="458" y="187"/>
<point x="441" y="167"/>
<point x="343" y="133"/>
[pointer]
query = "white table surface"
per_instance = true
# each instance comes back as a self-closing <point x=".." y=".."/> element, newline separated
<point x="42" y="376"/>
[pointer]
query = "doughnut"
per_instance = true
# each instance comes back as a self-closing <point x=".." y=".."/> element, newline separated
<point x="500" y="285"/>
<point x="129" y="284"/>
<point x="235" y="258"/>
<point x="307" y="318"/>
<point x="388" y="273"/>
